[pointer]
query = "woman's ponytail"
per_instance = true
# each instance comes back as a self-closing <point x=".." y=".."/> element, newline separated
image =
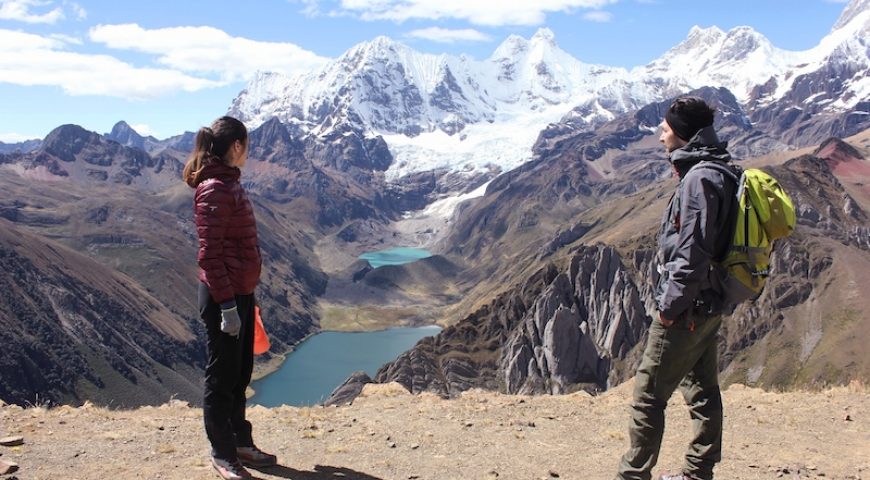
<point x="211" y="146"/>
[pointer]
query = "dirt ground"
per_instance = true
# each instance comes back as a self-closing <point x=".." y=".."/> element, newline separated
<point x="389" y="434"/>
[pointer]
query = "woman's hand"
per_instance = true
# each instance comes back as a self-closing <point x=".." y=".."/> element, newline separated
<point x="230" y="321"/>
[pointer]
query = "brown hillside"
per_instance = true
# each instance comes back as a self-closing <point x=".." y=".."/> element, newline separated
<point x="73" y="329"/>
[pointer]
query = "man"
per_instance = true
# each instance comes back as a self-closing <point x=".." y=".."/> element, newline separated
<point x="681" y="346"/>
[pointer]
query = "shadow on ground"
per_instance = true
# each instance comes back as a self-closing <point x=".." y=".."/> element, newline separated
<point x="321" y="472"/>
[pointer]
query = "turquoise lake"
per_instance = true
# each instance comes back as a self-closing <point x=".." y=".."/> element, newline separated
<point x="324" y="361"/>
<point x="395" y="256"/>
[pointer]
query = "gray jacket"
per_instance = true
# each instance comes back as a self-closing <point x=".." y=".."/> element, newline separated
<point x="695" y="230"/>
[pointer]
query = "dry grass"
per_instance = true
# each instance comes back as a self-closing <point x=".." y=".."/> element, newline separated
<point x="356" y="318"/>
<point x="390" y="434"/>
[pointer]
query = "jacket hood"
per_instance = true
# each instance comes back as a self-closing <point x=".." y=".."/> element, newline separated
<point x="705" y="145"/>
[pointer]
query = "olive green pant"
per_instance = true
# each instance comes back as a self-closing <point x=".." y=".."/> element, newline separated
<point x="676" y="357"/>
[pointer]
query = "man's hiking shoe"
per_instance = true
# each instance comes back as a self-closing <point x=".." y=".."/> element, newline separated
<point x="254" y="457"/>
<point x="676" y="476"/>
<point x="230" y="470"/>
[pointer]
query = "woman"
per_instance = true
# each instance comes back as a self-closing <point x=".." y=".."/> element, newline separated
<point x="229" y="269"/>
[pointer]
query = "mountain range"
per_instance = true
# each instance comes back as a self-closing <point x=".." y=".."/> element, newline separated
<point x="535" y="179"/>
<point x="441" y="111"/>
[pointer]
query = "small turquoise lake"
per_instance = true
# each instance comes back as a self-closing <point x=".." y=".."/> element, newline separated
<point x="324" y="361"/>
<point x="395" y="256"/>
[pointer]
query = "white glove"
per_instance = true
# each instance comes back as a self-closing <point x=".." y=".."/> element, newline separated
<point x="230" y="321"/>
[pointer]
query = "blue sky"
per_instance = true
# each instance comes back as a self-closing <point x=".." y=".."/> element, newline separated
<point x="170" y="66"/>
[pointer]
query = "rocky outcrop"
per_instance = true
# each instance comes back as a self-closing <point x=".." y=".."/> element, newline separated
<point x="345" y="393"/>
<point x="124" y="134"/>
<point x="586" y="317"/>
<point x="557" y="333"/>
<point x="565" y="237"/>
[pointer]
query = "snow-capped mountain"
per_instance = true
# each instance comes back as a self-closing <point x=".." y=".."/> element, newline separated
<point x="439" y="111"/>
<point x="459" y="114"/>
<point x="739" y="60"/>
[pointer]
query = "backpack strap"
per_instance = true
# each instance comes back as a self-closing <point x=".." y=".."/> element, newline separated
<point x="731" y="171"/>
<point x="735" y="173"/>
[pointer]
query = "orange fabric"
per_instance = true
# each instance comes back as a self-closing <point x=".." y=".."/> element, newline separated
<point x="261" y="340"/>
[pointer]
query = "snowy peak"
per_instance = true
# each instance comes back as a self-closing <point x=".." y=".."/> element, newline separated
<point x="698" y="39"/>
<point x="544" y="35"/>
<point x="742" y="42"/>
<point x="704" y="46"/>
<point x="380" y="49"/>
<point x="537" y="73"/>
<point x="739" y="60"/>
<point x="383" y="86"/>
<point x="854" y="9"/>
<point x="512" y="46"/>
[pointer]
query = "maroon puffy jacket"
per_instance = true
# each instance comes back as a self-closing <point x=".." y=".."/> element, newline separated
<point x="229" y="256"/>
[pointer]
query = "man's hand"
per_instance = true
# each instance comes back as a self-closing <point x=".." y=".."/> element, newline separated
<point x="664" y="321"/>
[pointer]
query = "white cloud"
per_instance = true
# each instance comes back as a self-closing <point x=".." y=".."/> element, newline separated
<point x="25" y="11"/>
<point x="27" y="59"/>
<point x="444" y="35"/>
<point x="599" y="16"/>
<point x="144" y="130"/>
<point x="66" y="38"/>
<point x="12" y="40"/>
<point x="79" y="11"/>
<point x="479" y="12"/>
<point x="310" y="8"/>
<point x="15" y="137"/>
<point x="207" y="50"/>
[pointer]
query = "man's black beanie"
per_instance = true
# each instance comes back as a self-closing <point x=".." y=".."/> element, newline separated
<point x="687" y="115"/>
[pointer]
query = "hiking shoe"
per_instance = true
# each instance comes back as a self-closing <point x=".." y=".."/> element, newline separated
<point x="676" y="476"/>
<point x="254" y="457"/>
<point x="230" y="470"/>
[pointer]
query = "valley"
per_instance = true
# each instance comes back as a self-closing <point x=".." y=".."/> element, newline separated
<point x="537" y="194"/>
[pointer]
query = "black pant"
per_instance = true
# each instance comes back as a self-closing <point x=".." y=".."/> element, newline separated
<point x="227" y="375"/>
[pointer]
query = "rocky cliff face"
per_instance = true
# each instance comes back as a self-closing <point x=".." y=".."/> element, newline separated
<point x="586" y="316"/>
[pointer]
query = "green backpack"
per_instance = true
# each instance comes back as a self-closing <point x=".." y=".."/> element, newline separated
<point x="765" y="213"/>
